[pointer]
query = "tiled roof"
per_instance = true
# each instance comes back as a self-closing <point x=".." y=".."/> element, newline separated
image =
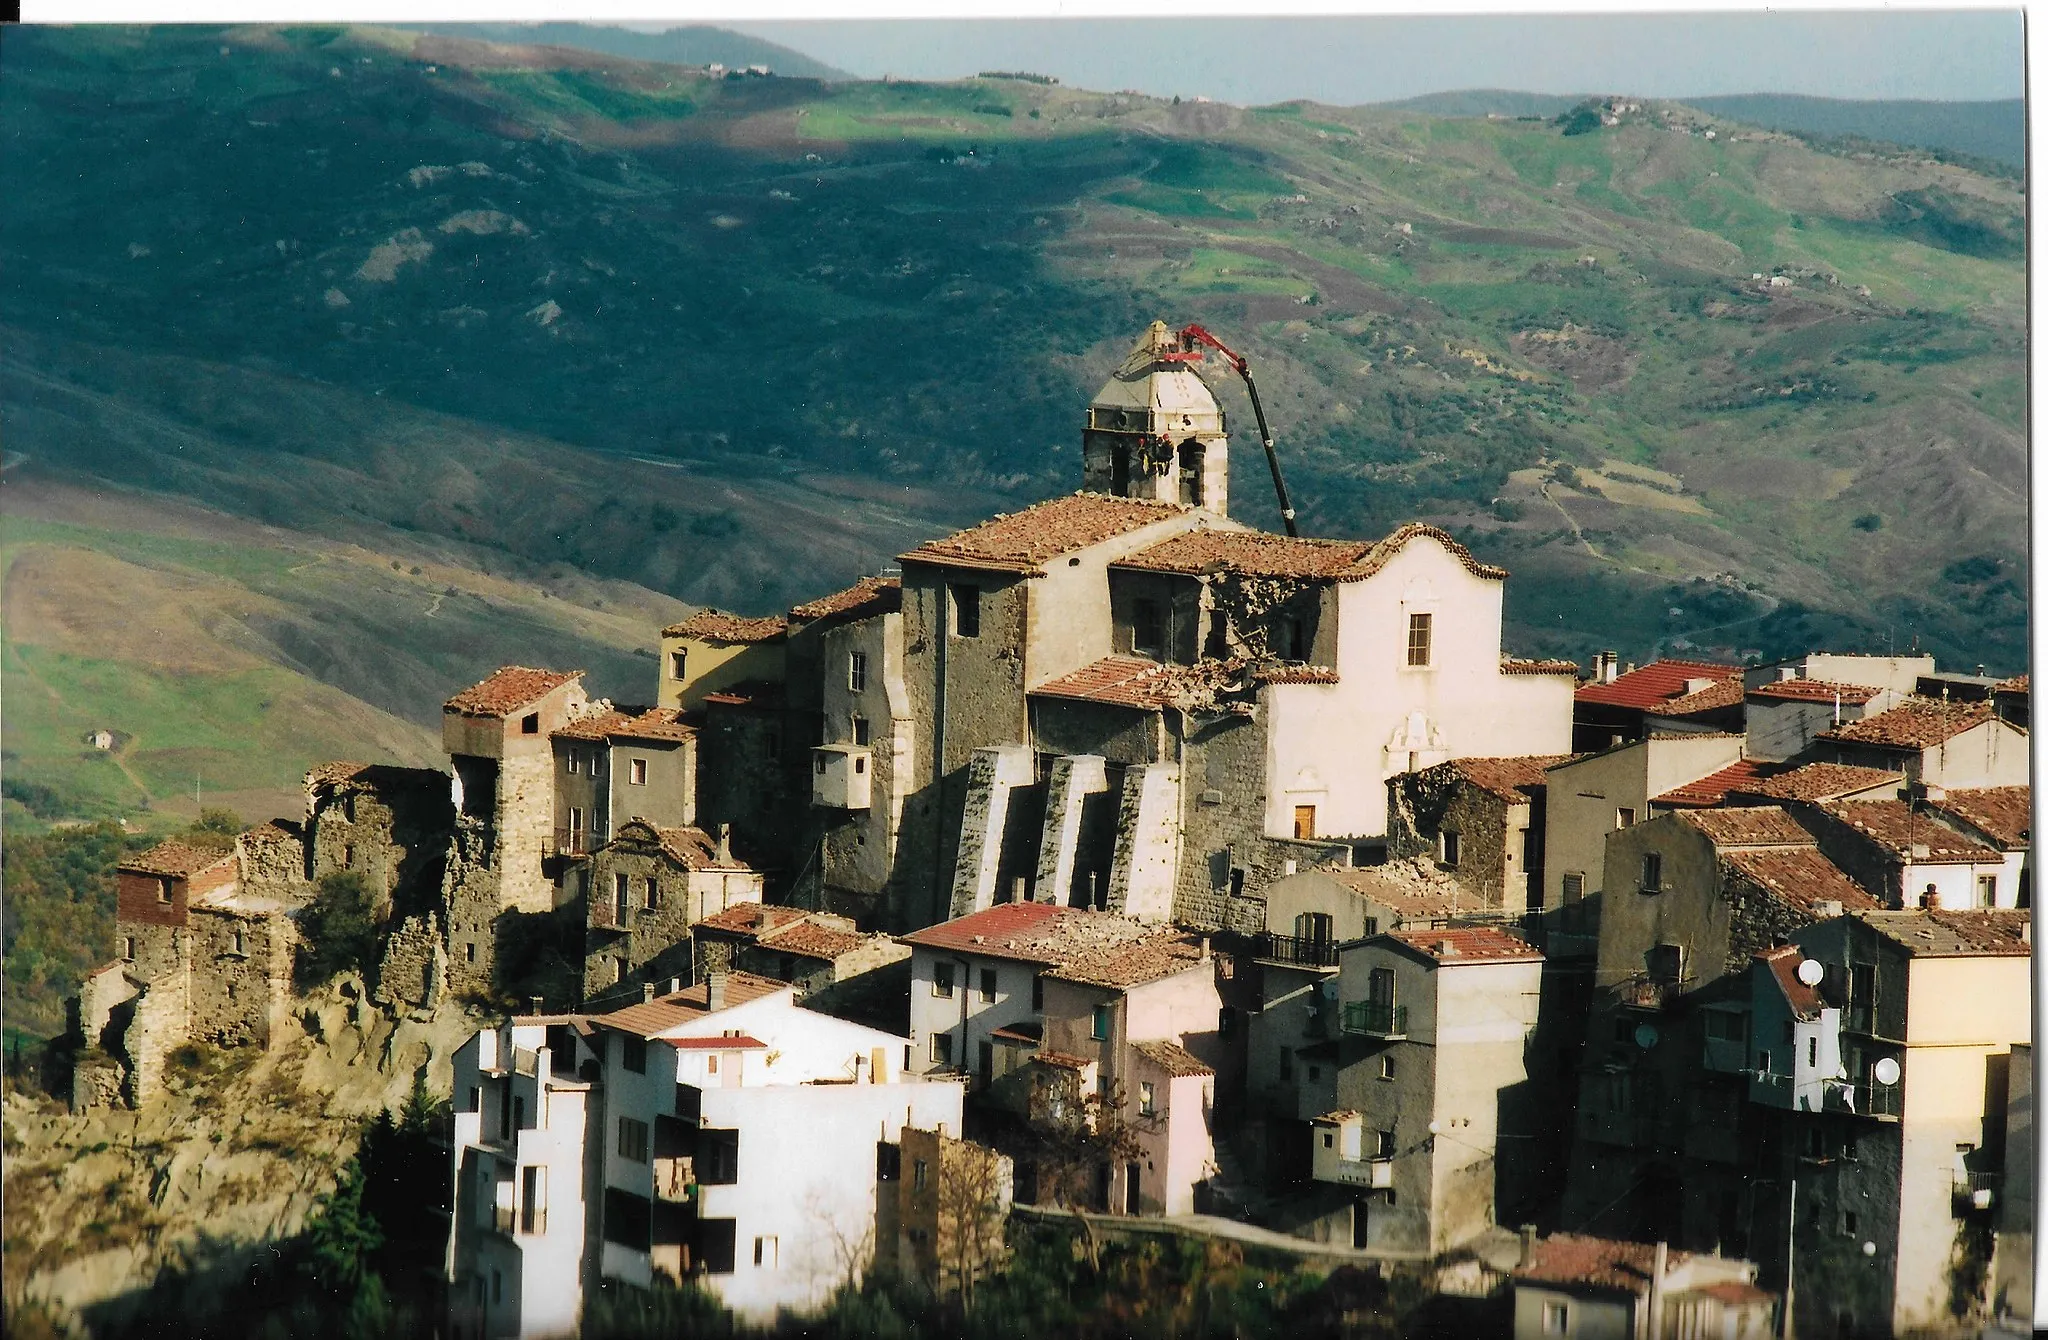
<point x="1750" y="826"/>
<point x="1941" y="933"/>
<point x="691" y="848"/>
<point x="867" y="597"/>
<point x="1655" y="684"/>
<point x="1822" y="781"/>
<point x="176" y="859"/>
<point x="1898" y="827"/>
<point x="761" y="693"/>
<point x="736" y="1043"/>
<point x="1469" y="944"/>
<point x="1173" y="1058"/>
<point x="1295" y="674"/>
<point x="1063" y="1060"/>
<point x="1023" y="541"/>
<point x="1511" y="666"/>
<point x="1131" y="681"/>
<point x="1043" y="933"/>
<point x="1405" y="898"/>
<point x="749" y="919"/>
<point x="812" y="940"/>
<point x="2017" y="684"/>
<point x="506" y="691"/>
<point x="1162" y="953"/>
<point x="663" y="1013"/>
<point x="1716" y="697"/>
<point x="2005" y="814"/>
<point x="1916" y="723"/>
<point x="1510" y="778"/>
<point x="1023" y="1030"/>
<point x="716" y="626"/>
<point x="1799" y="875"/>
<point x="1337" y="1118"/>
<point x="1594" y="1263"/>
<point x="1783" y="963"/>
<point x="1814" y="691"/>
<point x="1259" y="554"/>
<point x="1713" y="788"/>
<point x="654" y="723"/>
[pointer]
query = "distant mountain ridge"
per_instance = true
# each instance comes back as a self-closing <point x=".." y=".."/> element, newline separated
<point x="694" y="44"/>
<point x="1995" y="129"/>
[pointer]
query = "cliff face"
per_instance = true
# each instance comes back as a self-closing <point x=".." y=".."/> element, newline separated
<point x="230" y="1159"/>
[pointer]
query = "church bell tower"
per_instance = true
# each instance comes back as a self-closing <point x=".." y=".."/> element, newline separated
<point x="1155" y="431"/>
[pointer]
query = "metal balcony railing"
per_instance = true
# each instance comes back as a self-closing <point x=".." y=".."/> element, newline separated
<point x="1376" y="1019"/>
<point x="1295" y="950"/>
<point x="576" y="841"/>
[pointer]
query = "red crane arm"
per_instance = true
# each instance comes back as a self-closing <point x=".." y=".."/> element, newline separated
<point x="1192" y="335"/>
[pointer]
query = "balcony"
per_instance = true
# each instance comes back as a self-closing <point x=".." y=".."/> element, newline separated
<point x="1975" y="1192"/>
<point x="675" y="1179"/>
<point x="1374" y="1174"/>
<point x="575" y="842"/>
<point x="1863" y="1098"/>
<point x="1297" y="952"/>
<point x="1376" y="1019"/>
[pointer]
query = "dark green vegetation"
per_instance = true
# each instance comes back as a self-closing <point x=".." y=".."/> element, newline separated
<point x="601" y="328"/>
<point x="338" y="930"/>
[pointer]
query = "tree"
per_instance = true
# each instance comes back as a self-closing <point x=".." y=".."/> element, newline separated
<point x="1074" y="1136"/>
<point x="337" y="929"/>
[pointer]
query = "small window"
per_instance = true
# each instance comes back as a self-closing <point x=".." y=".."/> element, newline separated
<point x="1555" y="1316"/>
<point x="1304" y="822"/>
<point x="677" y="661"/>
<point x="920" y="1175"/>
<point x="128" y="946"/>
<point x="632" y="1140"/>
<point x="1037" y="995"/>
<point x="821" y="765"/>
<point x="988" y="984"/>
<point x="621" y="895"/>
<point x="1653" y="872"/>
<point x="711" y="1064"/>
<point x="575" y="818"/>
<point x="1386" y="1145"/>
<point x="966" y="609"/>
<point x="1329" y="1139"/>
<point x="860" y="730"/>
<point x="1386" y="1067"/>
<point x="942" y="980"/>
<point x="888" y="1162"/>
<point x="1419" y="626"/>
<point x="1148" y="636"/>
<point x="1987" y="890"/>
<point x="241" y="944"/>
<point x="1574" y="886"/>
<point x="533" y="1208"/>
<point x="633" y="1054"/>
<point x="942" y="1049"/>
<point x="1148" y="1099"/>
<point x="1625" y="817"/>
<point x="1812" y="1052"/>
<point x="497" y="1286"/>
<point x="1372" y="926"/>
<point x="163" y="885"/>
<point x="1289" y="643"/>
<point x="1448" y="847"/>
<point x="1226" y="1022"/>
<point x="857" y="672"/>
<point x="651" y="894"/>
<point x="767" y="1251"/>
<point x="469" y="952"/>
<point x="638" y="774"/>
<point x="860" y="765"/>
<point x="1099" y="1023"/>
<point x="575" y="762"/>
<point x="530" y="724"/>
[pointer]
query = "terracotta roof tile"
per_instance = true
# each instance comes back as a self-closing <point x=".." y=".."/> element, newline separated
<point x="507" y="690"/>
<point x="1822" y="781"/>
<point x="1468" y="944"/>
<point x="691" y="848"/>
<point x="1511" y="666"/>
<point x="1511" y="778"/>
<point x="716" y="626"/>
<point x="750" y="919"/>
<point x="1716" y="697"/>
<point x="1131" y="681"/>
<point x="177" y="859"/>
<point x="1295" y="674"/>
<point x="1942" y="933"/>
<point x="648" y="1018"/>
<point x="2005" y="814"/>
<point x="1595" y="1263"/>
<point x="1042" y="933"/>
<point x="1406" y="898"/>
<point x="761" y="693"/>
<point x="1023" y="541"/>
<point x="1916" y="723"/>
<point x="1023" y="1030"/>
<point x="1713" y="788"/>
<point x="2017" y="684"/>
<point x="654" y="723"/>
<point x="1749" y="826"/>
<point x="1063" y="1060"/>
<point x="1899" y="828"/>
<point x="1173" y="1058"/>
<point x="1814" y="691"/>
<point x="1259" y="554"/>
<point x="865" y="598"/>
<point x="1799" y="875"/>
<point x="738" y="1042"/>
<point x="1163" y="953"/>
<point x="812" y="940"/>
<point x="1654" y="684"/>
<point x="1782" y="963"/>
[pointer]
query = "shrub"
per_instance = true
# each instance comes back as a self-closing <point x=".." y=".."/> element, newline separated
<point x="338" y="929"/>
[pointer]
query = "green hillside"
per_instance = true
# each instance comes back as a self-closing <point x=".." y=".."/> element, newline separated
<point x="690" y="44"/>
<point x="740" y="340"/>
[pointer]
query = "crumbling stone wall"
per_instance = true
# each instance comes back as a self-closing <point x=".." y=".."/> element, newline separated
<point x="159" y="1025"/>
<point x="747" y="778"/>
<point x="469" y="899"/>
<point x="273" y="862"/>
<point x="1422" y="806"/>
<point x="240" y="976"/>
<point x="525" y="829"/>
<point x="414" y="970"/>
<point x="1758" y="919"/>
<point x="389" y="824"/>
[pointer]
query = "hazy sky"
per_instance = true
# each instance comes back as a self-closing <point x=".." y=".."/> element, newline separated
<point x="1872" y="54"/>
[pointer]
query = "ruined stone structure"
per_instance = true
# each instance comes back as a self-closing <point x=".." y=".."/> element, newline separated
<point x="641" y="892"/>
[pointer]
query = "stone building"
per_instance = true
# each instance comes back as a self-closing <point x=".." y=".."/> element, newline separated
<point x="617" y="765"/>
<point x="642" y="892"/>
<point x="941" y="1208"/>
<point x="389" y="824"/>
<point x="814" y="951"/>
<point x="1481" y="820"/>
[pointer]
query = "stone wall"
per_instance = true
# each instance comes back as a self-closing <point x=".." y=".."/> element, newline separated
<point x="1422" y="806"/>
<point x="273" y="860"/>
<point x="524" y="829"/>
<point x="240" y="976"/>
<point x="389" y="824"/>
<point x="415" y="966"/>
<point x="469" y="897"/>
<point x="158" y="1026"/>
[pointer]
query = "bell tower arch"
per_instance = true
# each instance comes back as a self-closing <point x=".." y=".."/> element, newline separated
<point x="1155" y="431"/>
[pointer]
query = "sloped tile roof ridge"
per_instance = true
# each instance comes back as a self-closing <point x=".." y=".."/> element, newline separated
<point x="175" y="858"/>
<point x="1173" y="1058"/>
<point x="1916" y="723"/>
<point x="1508" y="776"/>
<point x="1822" y="781"/>
<point x="1599" y="1263"/>
<point x="719" y="626"/>
<point x="1467" y="944"/>
<point x="1959" y="933"/>
<point x="1654" y="684"/>
<point x="1747" y="826"/>
<point x="881" y="592"/>
<point x="1717" y="696"/>
<point x="507" y="689"/>
<point x="1814" y="690"/>
<point x="1021" y="541"/>
<point x="1900" y="827"/>
<point x="2004" y="814"/>
<point x="1512" y="665"/>
<point x="1713" y="788"/>
<point x="1800" y="876"/>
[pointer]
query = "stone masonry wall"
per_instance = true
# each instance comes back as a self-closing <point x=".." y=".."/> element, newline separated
<point x="240" y="976"/>
<point x="1424" y="805"/>
<point x="525" y="826"/>
<point x="415" y="966"/>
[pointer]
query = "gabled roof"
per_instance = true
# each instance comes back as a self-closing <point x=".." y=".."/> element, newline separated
<point x="648" y="1018"/>
<point x="2005" y="814"/>
<point x="1468" y="944"/>
<point x="1574" y="1260"/>
<point x="1751" y="826"/>
<point x="1782" y="963"/>
<point x="716" y="626"/>
<point x="1163" y="953"/>
<point x="1511" y="778"/>
<point x="1800" y="876"/>
<point x="1916" y="723"/>
<point x="654" y="723"/>
<point x="507" y="690"/>
<point x="1028" y="932"/>
<point x="1944" y="933"/>
<point x="1258" y="554"/>
<point x="1132" y="681"/>
<point x="177" y="859"/>
<point x="1718" y="696"/>
<point x="1023" y="542"/>
<point x="1655" y="684"/>
<point x="1900" y="828"/>
<point x="1173" y="1058"/>
<point x="1814" y="691"/>
<point x="749" y="919"/>
<point x="691" y="848"/>
<point x="865" y="598"/>
<point x="1822" y="781"/>
<point x="1062" y="1060"/>
<point x="810" y="939"/>
<point x="1713" y="788"/>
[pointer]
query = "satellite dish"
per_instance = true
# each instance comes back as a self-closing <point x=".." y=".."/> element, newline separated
<point x="1886" y="1071"/>
<point x="1646" y="1036"/>
<point x="1810" y="971"/>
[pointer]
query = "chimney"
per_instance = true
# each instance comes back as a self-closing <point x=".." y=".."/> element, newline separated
<point x="714" y="991"/>
<point x="724" y="843"/>
<point x="646" y="993"/>
<point x="675" y="984"/>
<point x="1205" y="948"/>
<point x="1604" y="663"/>
<point x="1657" y="1291"/>
<point x="2027" y="931"/>
<point x="533" y="1004"/>
<point x="1827" y="909"/>
<point x="1446" y="948"/>
<point x="1528" y="1257"/>
<point x="1694" y="685"/>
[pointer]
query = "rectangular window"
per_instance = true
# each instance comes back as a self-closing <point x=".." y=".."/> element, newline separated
<point x="1386" y="1145"/>
<point x="1554" y="1317"/>
<point x="1987" y="890"/>
<point x="241" y="944"/>
<point x="888" y="1162"/>
<point x="575" y="762"/>
<point x="530" y="724"/>
<point x="633" y="1054"/>
<point x="988" y="984"/>
<point x="1418" y="638"/>
<point x="128" y="946"/>
<point x="533" y="1209"/>
<point x="1372" y="926"/>
<point x="1304" y="822"/>
<point x="1574" y="886"/>
<point x="1038" y="995"/>
<point x="942" y="980"/>
<point x="1386" y="1066"/>
<point x="1289" y="644"/>
<point x="1653" y="872"/>
<point x="575" y="823"/>
<point x="1379" y="987"/>
<point x="966" y="609"/>
<point x="767" y="1252"/>
<point x="638" y="775"/>
<point x="942" y="1049"/>
<point x="1099" y="1023"/>
<point x="1862" y="997"/>
<point x="1148" y="1099"/>
<point x="632" y="1140"/>
<point x="1625" y="817"/>
<point x="920" y="1175"/>
<point x="620" y="895"/>
<point x="163" y="886"/>
<point x="1148" y="635"/>
<point x="860" y="730"/>
<point x="1448" y="845"/>
<point x="651" y="894"/>
<point x="857" y="672"/>
<point x="677" y="660"/>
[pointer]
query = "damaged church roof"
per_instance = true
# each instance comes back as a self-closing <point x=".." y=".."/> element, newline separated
<point x="1022" y="542"/>
<point x="1257" y="554"/>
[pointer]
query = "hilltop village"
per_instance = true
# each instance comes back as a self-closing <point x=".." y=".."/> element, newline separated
<point x="1116" y="857"/>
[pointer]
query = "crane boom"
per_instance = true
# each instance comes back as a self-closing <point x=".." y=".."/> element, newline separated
<point x="1190" y="335"/>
